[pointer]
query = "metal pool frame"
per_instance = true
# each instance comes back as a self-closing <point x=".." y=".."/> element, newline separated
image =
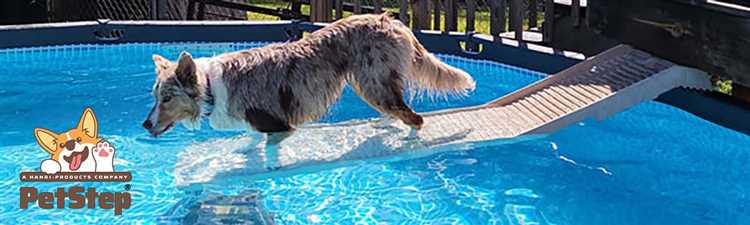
<point x="714" y="107"/>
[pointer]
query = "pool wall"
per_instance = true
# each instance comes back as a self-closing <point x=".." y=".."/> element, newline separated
<point x="714" y="107"/>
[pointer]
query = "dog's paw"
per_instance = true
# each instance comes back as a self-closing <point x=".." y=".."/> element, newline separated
<point x="50" y="166"/>
<point x="385" y="123"/>
<point x="272" y="168"/>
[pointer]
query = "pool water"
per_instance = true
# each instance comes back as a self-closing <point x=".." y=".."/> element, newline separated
<point x="652" y="164"/>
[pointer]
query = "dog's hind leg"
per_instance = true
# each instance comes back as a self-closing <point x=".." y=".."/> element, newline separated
<point x="383" y="90"/>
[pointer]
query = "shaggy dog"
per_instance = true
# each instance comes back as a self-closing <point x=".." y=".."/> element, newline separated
<point x="276" y="87"/>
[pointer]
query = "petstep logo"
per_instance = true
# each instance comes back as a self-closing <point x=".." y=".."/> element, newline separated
<point x="76" y="155"/>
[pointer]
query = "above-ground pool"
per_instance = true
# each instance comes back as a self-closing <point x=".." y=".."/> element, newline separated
<point x="651" y="164"/>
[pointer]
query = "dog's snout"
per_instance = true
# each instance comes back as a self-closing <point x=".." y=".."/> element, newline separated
<point x="147" y="124"/>
<point x="70" y="145"/>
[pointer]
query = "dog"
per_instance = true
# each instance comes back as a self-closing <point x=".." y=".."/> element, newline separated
<point x="280" y="86"/>
<point x="70" y="151"/>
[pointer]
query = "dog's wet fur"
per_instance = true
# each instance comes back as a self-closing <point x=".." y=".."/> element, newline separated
<point x="279" y="86"/>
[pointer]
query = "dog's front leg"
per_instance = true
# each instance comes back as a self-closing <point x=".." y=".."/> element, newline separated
<point x="272" y="147"/>
<point x="276" y="138"/>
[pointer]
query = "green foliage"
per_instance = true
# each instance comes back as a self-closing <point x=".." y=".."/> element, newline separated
<point x="723" y="86"/>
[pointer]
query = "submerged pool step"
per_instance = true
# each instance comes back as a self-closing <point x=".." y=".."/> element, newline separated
<point x="596" y="88"/>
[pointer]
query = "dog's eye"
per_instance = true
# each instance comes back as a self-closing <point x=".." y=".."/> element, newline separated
<point x="62" y="145"/>
<point x="166" y="99"/>
<point x="78" y="140"/>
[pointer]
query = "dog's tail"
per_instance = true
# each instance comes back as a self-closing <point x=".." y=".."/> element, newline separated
<point x="432" y="75"/>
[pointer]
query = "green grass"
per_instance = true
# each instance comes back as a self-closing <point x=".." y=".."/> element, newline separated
<point x="481" y="25"/>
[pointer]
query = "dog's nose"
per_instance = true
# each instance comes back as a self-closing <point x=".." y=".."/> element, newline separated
<point x="147" y="124"/>
<point x="70" y="145"/>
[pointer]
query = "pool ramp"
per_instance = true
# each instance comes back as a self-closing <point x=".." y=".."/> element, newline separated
<point x="596" y="88"/>
<point x="608" y="83"/>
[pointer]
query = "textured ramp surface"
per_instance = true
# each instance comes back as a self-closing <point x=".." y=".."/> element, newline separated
<point x="606" y="84"/>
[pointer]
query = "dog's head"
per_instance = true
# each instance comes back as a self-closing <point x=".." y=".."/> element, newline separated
<point x="74" y="145"/>
<point x="176" y="94"/>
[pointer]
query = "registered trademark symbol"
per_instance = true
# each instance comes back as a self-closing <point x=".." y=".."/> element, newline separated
<point x="127" y="187"/>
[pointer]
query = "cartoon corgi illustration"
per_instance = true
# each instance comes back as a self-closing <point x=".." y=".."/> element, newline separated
<point x="71" y="151"/>
<point x="104" y="155"/>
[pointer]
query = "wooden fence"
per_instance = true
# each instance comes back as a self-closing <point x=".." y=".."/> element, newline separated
<point x="505" y="15"/>
<point x="424" y="17"/>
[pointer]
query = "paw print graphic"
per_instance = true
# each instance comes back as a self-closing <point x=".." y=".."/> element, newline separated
<point x="104" y="155"/>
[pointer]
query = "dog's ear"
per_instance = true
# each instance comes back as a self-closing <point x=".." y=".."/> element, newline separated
<point x="46" y="139"/>
<point x="186" y="70"/>
<point x="88" y="123"/>
<point x="160" y="62"/>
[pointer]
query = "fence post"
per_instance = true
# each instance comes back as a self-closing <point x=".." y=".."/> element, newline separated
<point x="297" y="7"/>
<point x="436" y="14"/>
<point x="471" y="8"/>
<point x="339" y="9"/>
<point x="517" y="18"/>
<point x="451" y="15"/>
<point x="403" y="12"/>
<point x="357" y="7"/>
<point x="377" y="6"/>
<point x="421" y="15"/>
<point x="320" y="10"/>
<point x="497" y="17"/>
<point x="190" y="10"/>
<point x="314" y="11"/>
<point x="511" y="13"/>
<point x="201" y="11"/>
<point x="575" y="7"/>
<point x="154" y="10"/>
<point x="533" y="6"/>
<point x="549" y="18"/>
<point x="587" y="22"/>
